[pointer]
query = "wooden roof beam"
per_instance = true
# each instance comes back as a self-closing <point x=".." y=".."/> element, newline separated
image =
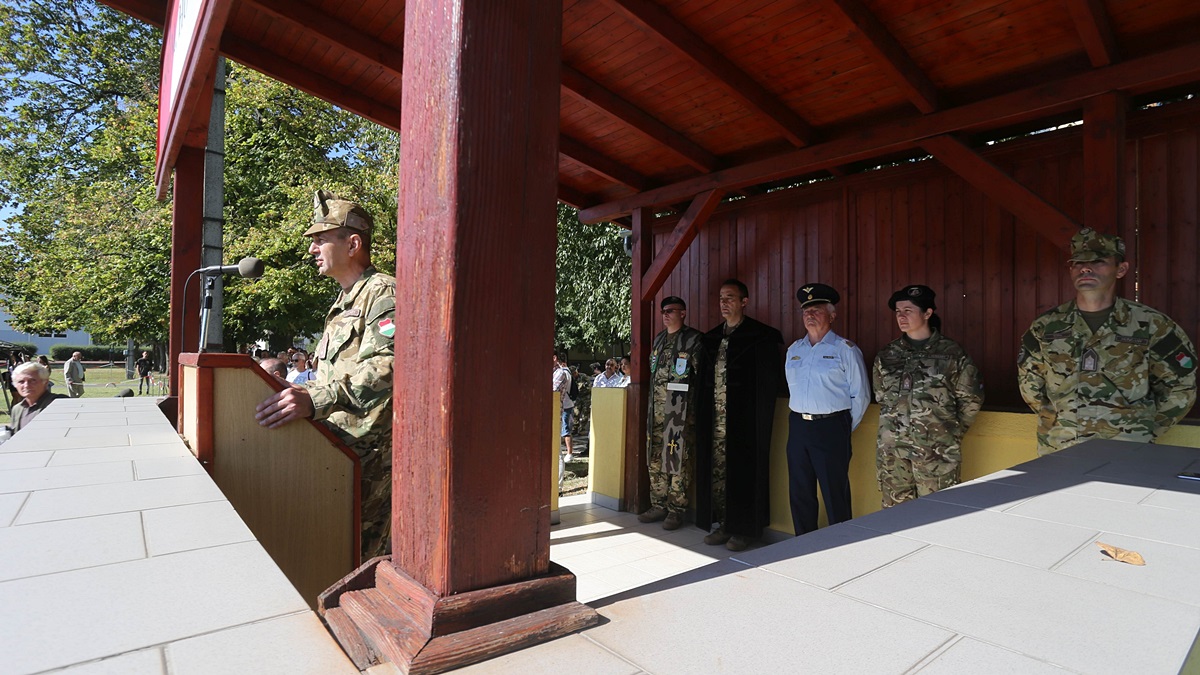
<point x="655" y="20"/>
<point x="1156" y="71"/>
<point x="572" y="197"/>
<point x="677" y="243"/>
<point x="592" y="94"/>
<point x="253" y="56"/>
<point x="601" y="164"/>
<point x="319" y="26"/>
<point x="1008" y="194"/>
<point x="873" y="37"/>
<point x="1095" y="30"/>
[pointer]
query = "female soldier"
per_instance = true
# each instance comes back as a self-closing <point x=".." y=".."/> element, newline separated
<point x="929" y="392"/>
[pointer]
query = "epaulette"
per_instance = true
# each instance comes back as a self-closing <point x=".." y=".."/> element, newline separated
<point x="848" y="343"/>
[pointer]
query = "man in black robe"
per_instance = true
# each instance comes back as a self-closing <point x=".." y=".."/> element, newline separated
<point x="736" y="413"/>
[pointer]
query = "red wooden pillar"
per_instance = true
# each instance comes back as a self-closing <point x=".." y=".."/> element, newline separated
<point x="636" y="497"/>
<point x="186" y="223"/>
<point x="470" y="575"/>
<point x="1104" y="162"/>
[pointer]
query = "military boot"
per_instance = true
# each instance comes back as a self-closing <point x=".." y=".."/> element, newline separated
<point x="652" y="515"/>
<point x="672" y="522"/>
<point x="717" y="538"/>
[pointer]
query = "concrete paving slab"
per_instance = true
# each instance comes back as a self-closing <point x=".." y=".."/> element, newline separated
<point x="96" y="500"/>
<point x="290" y="645"/>
<point x="59" y="611"/>
<point x="972" y="656"/>
<point x="10" y="505"/>
<point x="25" y="460"/>
<point x="52" y="477"/>
<point x="1169" y="572"/>
<point x="1078" y="624"/>
<point x="730" y="618"/>
<point x="61" y="545"/>
<point x="144" y="662"/>
<point x="193" y="526"/>
<point x="999" y="535"/>
<point x="118" y="453"/>
<point x="574" y="654"/>
<point x="990" y="495"/>
<point x="1138" y="520"/>
<point x="831" y="556"/>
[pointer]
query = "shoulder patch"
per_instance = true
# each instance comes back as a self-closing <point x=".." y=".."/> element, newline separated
<point x="387" y="327"/>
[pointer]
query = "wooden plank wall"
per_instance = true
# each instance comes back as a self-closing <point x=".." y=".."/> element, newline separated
<point x="871" y="234"/>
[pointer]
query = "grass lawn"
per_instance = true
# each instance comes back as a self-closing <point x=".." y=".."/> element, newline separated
<point x="102" y="381"/>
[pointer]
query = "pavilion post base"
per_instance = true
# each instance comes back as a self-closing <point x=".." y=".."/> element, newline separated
<point x="380" y="614"/>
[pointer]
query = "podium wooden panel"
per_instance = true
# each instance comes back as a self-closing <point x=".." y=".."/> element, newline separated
<point x="296" y="487"/>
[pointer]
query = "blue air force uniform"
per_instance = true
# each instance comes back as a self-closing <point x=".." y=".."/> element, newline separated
<point x="829" y="394"/>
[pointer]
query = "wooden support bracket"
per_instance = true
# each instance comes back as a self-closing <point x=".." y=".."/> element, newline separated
<point x="1009" y="194"/>
<point x="681" y="237"/>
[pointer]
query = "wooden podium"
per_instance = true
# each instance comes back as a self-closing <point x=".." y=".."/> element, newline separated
<point x="296" y="487"/>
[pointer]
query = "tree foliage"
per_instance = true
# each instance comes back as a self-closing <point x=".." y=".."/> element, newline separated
<point x="591" y="311"/>
<point x="89" y="247"/>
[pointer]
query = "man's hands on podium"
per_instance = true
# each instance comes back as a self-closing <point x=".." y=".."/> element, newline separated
<point x="284" y="407"/>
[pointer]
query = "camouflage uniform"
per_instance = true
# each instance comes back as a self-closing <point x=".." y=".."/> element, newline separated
<point x="669" y="355"/>
<point x="928" y="396"/>
<point x="720" y="417"/>
<point x="583" y="407"/>
<point x="1131" y="380"/>
<point x="352" y="393"/>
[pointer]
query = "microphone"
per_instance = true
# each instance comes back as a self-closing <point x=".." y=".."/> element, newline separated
<point x="250" y="268"/>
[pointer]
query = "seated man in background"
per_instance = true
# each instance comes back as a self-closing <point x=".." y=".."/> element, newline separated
<point x="31" y="380"/>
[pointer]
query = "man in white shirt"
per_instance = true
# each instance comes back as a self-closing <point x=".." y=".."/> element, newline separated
<point x="611" y="377"/>
<point x="562" y="384"/>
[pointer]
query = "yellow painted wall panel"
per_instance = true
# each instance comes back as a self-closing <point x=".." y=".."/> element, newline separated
<point x="606" y="458"/>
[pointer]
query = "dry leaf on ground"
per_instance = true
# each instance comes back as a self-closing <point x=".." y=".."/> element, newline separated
<point x="1121" y="555"/>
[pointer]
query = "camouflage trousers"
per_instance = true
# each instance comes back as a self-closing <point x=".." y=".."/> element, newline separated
<point x="668" y="491"/>
<point x="718" y="468"/>
<point x="906" y="472"/>
<point x="376" y="490"/>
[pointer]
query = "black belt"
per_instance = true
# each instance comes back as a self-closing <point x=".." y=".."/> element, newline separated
<point x="820" y="416"/>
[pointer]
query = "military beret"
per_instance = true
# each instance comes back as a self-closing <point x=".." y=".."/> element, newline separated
<point x="812" y="294"/>
<point x="672" y="300"/>
<point x="331" y="212"/>
<point x="1089" y="246"/>
<point x="917" y="294"/>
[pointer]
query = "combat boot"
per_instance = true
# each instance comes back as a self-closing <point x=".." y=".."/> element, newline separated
<point x="652" y="515"/>
<point x="737" y="543"/>
<point x="717" y="538"/>
<point x="672" y="522"/>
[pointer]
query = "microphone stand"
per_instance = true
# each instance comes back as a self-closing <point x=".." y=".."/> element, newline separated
<point x="206" y="309"/>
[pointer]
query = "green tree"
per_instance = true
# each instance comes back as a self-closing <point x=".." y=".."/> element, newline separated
<point x="591" y="309"/>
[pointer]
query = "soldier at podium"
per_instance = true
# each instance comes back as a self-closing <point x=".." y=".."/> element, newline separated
<point x="352" y="390"/>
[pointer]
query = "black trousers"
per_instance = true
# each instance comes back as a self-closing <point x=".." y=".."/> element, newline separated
<point x="818" y="451"/>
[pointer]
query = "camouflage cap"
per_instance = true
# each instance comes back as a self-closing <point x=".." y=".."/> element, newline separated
<point x="1089" y="246"/>
<point x="813" y="294"/>
<point x="331" y="212"/>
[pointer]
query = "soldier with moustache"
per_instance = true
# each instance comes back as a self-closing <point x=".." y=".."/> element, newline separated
<point x="1101" y="366"/>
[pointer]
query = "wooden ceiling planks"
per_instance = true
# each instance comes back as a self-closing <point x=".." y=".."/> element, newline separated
<point x="680" y="88"/>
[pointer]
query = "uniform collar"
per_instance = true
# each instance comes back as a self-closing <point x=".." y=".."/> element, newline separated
<point x="1120" y="310"/>
<point x="346" y="298"/>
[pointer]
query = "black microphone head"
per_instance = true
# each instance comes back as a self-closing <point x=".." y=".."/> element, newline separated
<point x="251" y="268"/>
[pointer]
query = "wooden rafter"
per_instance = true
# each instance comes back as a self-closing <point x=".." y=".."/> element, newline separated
<point x="590" y="92"/>
<point x="316" y="24"/>
<point x="677" y="244"/>
<point x="657" y="21"/>
<point x="875" y="39"/>
<point x="1008" y="194"/>
<point x="1157" y="71"/>
<point x="572" y="197"/>
<point x="1095" y="30"/>
<point x="601" y="164"/>
<point x="281" y="69"/>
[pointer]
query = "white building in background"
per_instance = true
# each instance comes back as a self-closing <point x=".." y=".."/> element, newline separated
<point x="44" y="341"/>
